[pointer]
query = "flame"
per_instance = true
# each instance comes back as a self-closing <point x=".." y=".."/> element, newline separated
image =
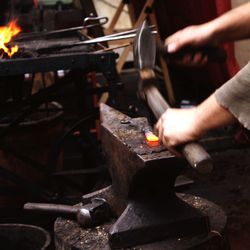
<point x="6" y="34"/>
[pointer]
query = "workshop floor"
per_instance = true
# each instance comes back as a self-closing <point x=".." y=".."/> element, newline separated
<point x="228" y="186"/>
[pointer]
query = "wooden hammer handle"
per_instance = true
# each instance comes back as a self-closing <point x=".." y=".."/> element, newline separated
<point x="195" y="154"/>
<point x="51" y="208"/>
<point x="213" y="53"/>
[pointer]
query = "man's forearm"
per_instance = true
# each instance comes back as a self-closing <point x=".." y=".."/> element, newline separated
<point x="234" y="95"/>
<point x="233" y="25"/>
<point x="210" y="115"/>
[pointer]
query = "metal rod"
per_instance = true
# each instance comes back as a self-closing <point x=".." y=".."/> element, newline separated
<point x="47" y="34"/>
<point x="126" y="32"/>
<point x="87" y="42"/>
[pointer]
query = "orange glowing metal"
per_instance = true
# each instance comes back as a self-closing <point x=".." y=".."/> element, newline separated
<point x="6" y="34"/>
<point x="151" y="139"/>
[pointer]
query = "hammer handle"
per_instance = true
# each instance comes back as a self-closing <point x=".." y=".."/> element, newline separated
<point x="213" y="53"/>
<point x="51" y="208"/>
<point x="195" y="154"/>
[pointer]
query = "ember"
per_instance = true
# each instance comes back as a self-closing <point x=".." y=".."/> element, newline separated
<point x="6" y="34"/>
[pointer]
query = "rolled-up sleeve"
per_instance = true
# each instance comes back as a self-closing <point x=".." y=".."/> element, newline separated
<point x="234" y="95"/>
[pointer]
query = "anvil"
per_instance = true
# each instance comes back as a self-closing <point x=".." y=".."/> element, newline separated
<point x="142" y="193"/>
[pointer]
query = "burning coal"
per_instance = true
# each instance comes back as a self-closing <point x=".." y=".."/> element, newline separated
<point x="6" y="35"/>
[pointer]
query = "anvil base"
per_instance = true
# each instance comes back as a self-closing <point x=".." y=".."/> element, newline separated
<point x="69" y="235"/>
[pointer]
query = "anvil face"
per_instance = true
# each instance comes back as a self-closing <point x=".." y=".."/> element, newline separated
<point x="135" y="167"/>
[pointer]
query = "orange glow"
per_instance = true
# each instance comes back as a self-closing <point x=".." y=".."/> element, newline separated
<point x="152" y="140"/>
<point x="6" y="34"/>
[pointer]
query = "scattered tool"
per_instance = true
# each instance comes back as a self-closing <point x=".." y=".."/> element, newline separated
<point x="89" y="215"/>
<point x="144" y="56"/>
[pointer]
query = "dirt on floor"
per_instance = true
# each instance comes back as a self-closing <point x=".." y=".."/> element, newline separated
<point x="229" y="186"/>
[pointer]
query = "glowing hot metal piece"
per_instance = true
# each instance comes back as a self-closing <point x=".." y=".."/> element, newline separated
<point x="151" y="139"/>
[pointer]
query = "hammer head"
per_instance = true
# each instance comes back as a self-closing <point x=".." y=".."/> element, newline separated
<point x="144" y="57"/>
<point x="144" y="48"/>
<point x="93" y="214"/>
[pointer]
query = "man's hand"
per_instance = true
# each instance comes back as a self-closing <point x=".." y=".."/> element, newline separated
<point x="180" y="126"/>
<point x="177" y="127"/>
<point x="231" y="26"/>
<point x="192" y="36"/>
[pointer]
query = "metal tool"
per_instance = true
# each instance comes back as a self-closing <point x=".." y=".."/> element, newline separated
<point x="144" y="56"/>
<point x="113" y="37"/>
<point x="88" y="216"/>
<point x="51" y="34"/>
<point x="117" y="36"/>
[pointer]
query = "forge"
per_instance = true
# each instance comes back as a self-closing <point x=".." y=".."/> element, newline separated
<point x="19" y="101"/>
<point x="147" y="213"/>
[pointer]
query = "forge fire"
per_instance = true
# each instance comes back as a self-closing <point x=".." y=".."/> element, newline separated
<point x="6" y="35"/>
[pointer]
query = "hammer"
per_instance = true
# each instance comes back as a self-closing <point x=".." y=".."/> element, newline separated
<point x="144" y="57"/>
<point x="87" y="216"/>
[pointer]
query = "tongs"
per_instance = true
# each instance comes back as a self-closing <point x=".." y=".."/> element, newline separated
<point x="116" y="36"/>
<point x="50" y="34"/>
<point x="113" y="37"/>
